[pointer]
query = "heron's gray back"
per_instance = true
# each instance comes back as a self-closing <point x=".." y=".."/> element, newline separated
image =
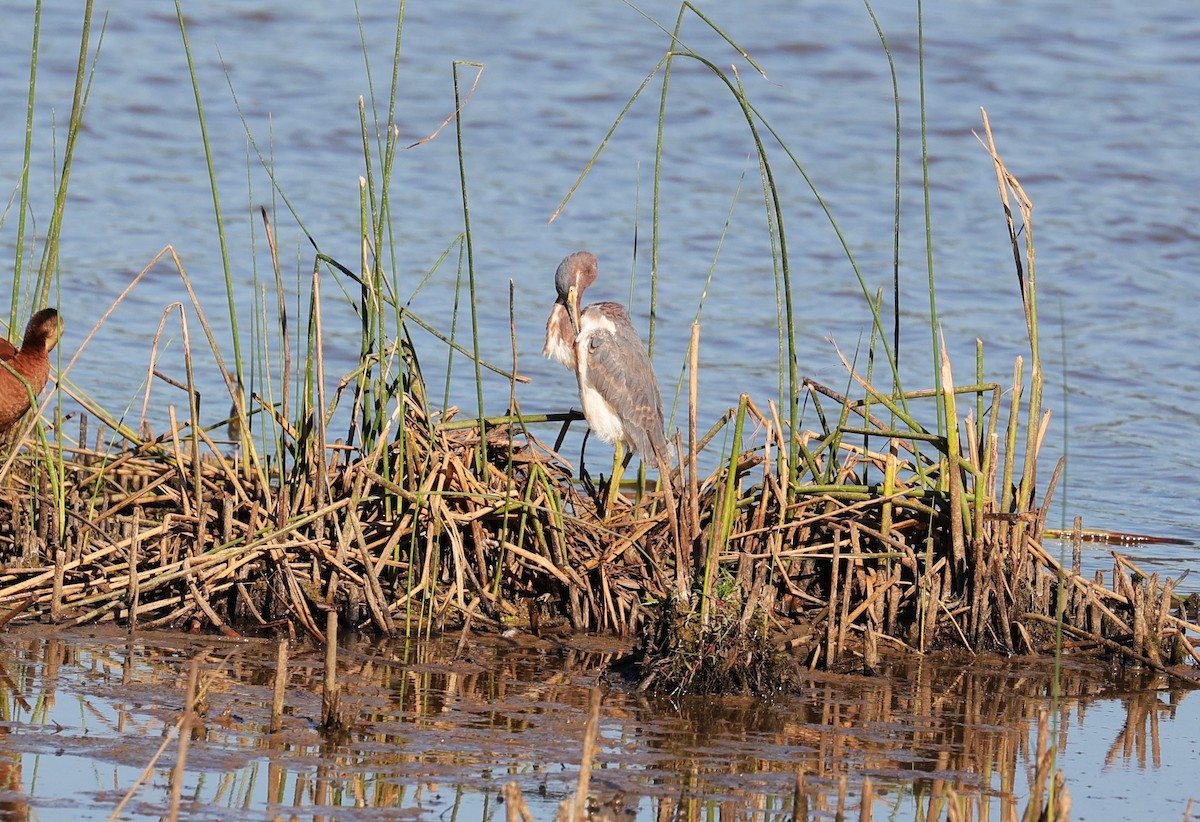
<point x="621" y="372"/>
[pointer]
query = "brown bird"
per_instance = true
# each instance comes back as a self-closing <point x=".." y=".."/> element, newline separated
<point x="23" y="371"/>
<point x="617" y="386"/>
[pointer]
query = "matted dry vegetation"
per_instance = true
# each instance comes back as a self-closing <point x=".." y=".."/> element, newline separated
<point x="414" y="538"/>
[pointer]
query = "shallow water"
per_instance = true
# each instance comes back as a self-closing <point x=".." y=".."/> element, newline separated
<point x="438" y="729"/>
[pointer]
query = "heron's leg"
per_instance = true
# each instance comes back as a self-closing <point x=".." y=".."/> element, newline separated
<point x="584" y="476"/>
<point x="614" y="482"/>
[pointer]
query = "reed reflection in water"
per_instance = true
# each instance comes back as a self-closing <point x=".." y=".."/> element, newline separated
<point x="437" y="726"/>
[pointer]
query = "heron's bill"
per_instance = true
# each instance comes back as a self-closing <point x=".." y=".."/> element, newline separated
<point x="573" y="307"/>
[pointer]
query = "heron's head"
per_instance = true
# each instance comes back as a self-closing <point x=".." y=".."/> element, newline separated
<point x="43" y="331"/>
<point x="574" y="275"/>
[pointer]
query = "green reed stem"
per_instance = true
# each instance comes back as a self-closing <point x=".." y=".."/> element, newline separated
<point x="933" y="314"/>
<point x="78" y="104"/>
<point x="776" y="206"/>
<point x="387" y="150"/>
<point x="951" y="469"/>
<point x="235" y="390"/>
<point x="1010" y="437"/>
<point x="873" y="335"/>
<point x="285" y="341"/>
<point x="25" y="167"/>
<point x="724" y="525"/>
<point x="896" y="184"/>
<point x="982" y="440"/>
<point x="655" y="200"/>
<point x="470" y="252"/>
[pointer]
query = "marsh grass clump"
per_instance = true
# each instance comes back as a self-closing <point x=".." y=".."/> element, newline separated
<point x="905" y="536"/>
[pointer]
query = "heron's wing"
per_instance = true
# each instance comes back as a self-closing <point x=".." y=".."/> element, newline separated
<point x="7" y="349"/>
<point x="621" y="372"/>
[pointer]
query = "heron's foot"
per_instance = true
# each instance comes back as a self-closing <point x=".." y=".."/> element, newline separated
<point x="613" y="498"/>
<point x="589" y="484"/>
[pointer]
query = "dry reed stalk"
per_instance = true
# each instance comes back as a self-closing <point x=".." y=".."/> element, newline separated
<point x="867" y="800"/>
<point x="799" y="797"/>
<point x="514" y="802"/>
<point x="956" y="490"/>
<point x="578" y="808"/>
<point x="185" y="738"/>
<point x="330" y="694"/>
<point x="279" y="688"/>
<point x="1048" y="795"/>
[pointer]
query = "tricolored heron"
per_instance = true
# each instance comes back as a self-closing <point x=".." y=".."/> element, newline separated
<point x="24" y="370"/>
<point x="617" y="386"/>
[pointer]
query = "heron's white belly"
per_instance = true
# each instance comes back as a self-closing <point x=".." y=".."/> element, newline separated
<point x="601" y="418"/>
